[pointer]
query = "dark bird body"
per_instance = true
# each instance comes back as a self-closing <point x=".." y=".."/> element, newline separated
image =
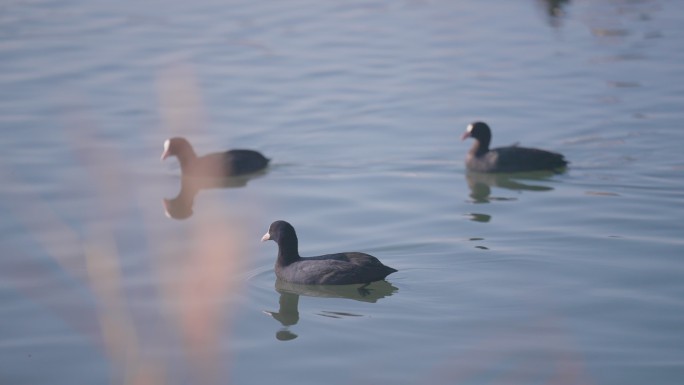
<point x="329" y="269"/>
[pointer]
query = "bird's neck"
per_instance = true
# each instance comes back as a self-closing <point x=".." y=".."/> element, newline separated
<point x="479" y="148"/>
<point x="186" y="157"/>
<point x="288" y="253"/>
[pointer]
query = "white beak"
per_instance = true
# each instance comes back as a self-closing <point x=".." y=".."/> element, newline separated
<point x="165" y="154"/>
<point x="266" y="237"/>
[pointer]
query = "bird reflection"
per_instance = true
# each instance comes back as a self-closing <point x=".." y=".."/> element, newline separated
<point x="180" y="207"/>
<point x="288" y="311"/>
<point x="554" y="10"/>
<point x="480" y="184"/>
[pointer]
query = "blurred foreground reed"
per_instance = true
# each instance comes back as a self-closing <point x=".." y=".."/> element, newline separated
<point x="165" y="328"/>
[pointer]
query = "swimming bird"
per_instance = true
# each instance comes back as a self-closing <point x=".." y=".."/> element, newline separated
<point x="481" y="158"/>
<point x="214" y="165"/>
<point x="329" y="269"/>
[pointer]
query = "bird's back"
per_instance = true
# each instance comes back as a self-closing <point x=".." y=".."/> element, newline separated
<point x="517" y="159"/>
<point x="335" y="269"/>
<point x="240" y="162"/>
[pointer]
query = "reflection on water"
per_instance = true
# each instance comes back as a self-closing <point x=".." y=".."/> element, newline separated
<point x="180" y="207"/>
<point x="288" y="311"/>
<point x="480" y="217"/>
<point x="480" y="184"/>
<point x="554" y="9"/>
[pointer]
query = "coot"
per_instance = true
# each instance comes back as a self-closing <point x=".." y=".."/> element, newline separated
<point x="215" y="165"/>
<point x="330" y="269"/>
<point x="506" y="159"/>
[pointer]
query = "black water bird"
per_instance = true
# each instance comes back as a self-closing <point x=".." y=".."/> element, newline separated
<point x="215" y="165"/>
<point x="329" y="269"/>
<point x="481" y="158"/>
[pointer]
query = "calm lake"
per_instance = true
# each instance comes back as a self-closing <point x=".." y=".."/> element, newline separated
<point x="110" y="273"/>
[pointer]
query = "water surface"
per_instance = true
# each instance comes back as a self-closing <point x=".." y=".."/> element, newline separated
<point x="572" y="278"/>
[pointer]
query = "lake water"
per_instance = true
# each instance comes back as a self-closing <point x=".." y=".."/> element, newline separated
<point x="572" y="278"/>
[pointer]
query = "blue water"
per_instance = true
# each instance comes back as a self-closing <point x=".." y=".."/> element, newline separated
<point x="572" y="278"/>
